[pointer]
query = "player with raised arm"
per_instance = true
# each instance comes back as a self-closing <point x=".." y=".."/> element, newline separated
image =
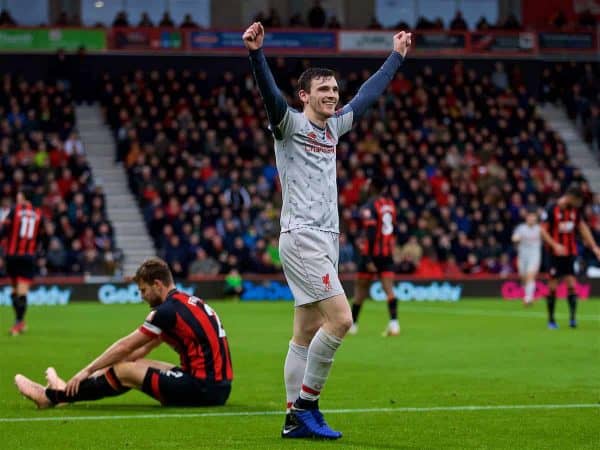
<point x="183" y="321"/>
<point x="21" y="229"/>
<point x="528" y="236"/>
<point x="562" y="221"/>
<point x="378" y="219"/>
<point x="305" y="152"/>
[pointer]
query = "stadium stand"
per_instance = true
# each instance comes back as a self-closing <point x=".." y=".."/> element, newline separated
<point x="41" y="154"/>
<point x="464" y="153"/>
<point x="577" y="87"/>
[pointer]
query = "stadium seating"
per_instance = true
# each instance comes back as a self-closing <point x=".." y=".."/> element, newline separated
<point x="41" y="153"/>
<point x="464" y="152"/>
<point x="577" y="87"/>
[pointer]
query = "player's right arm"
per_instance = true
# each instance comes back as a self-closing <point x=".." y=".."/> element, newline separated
<point x="516" y="237"/>
<point x="558" y="249"/>
<point x="275" y="103"/>
<point x="115" y="353"/>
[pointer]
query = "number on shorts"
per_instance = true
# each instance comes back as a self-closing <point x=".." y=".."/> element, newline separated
<point x="174" y="374"/>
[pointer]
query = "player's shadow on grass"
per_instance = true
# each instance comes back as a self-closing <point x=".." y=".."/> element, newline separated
<point x="152" y="408"/>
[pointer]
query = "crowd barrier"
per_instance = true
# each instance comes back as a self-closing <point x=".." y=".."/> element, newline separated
<point x="61" y="291"/>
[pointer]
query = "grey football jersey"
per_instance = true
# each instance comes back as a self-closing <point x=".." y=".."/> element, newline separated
<point x="530" y="238"/>
<point x="306" y="161"/>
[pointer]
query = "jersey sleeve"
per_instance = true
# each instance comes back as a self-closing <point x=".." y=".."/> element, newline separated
<point x="518" y="233"/>
<point x="287" y="126"/>
<point x="159" y="320"/>
<point x="376" y="85"/>
<point x="342" y="120"/>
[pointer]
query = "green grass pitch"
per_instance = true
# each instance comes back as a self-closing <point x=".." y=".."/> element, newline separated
<point x="473" y="374"/>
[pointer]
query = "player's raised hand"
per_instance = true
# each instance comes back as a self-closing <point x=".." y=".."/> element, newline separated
<point x="253" y="37"/>
<point x="72" y="387"/>
<point x="402" y="42"/>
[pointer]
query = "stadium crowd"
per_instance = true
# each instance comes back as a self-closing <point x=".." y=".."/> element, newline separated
<point x="42" y="156"/>
<point x="463" y="152"/>
<point x="577" y="87"/>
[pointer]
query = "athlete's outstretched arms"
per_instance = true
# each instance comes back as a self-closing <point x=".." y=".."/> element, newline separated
<point x="371" y="89"/>
<point x="274" y="101"/>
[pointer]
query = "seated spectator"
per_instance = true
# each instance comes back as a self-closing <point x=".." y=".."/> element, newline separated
<point x="73" y="145"/>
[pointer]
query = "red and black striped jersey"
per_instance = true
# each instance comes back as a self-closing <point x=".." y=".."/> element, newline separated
<point x="378" y="218"/>
<point x="561" y="224"/>
<point x="21" y="227"/>
<point x="194" y="331"/>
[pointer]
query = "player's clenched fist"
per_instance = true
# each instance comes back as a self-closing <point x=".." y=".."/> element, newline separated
<point x="253" y="37"/>
<point x="402" y="42"/>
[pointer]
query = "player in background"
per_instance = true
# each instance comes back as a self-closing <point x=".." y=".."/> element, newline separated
<point x="528" y="236"/>
<point x="184" y="322"/>
<point x="378" y="218"/>
<point x="562" y="221"/>
<point x="20" y="229"/>
<point x="305" y="151"/>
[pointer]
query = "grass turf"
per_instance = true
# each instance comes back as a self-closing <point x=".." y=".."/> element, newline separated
<point x="471" y="353"/>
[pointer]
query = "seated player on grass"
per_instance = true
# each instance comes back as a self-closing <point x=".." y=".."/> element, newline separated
<point x="185" y="322"/>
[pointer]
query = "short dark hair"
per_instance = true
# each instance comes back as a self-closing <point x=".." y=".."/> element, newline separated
<point x="309" y="74"/>
<point x="154" y="269"/>
<point x="574" y="190"/>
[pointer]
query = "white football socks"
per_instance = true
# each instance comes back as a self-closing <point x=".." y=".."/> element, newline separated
<point x="529" y="291"/>
<point x="320" y="358"/>
<point x="293" y="371"/>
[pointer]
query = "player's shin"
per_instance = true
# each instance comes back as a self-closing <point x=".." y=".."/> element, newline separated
<point x="572" y="300"/>
<point x="293" y="371"/>
<point x="529" y="290"/>
<point x="95" y="388"/>
<point x="320" y="358"/>
<point x="551" y="304"/>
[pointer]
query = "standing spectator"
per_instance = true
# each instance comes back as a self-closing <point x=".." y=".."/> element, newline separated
<point x="121" y="20"/>
<point x="188" y="22"/>
<point x="316" y="16"/>
<point x="458" y="22"/>
<point x="145" y="21"/>
<point x="166" y="20"/>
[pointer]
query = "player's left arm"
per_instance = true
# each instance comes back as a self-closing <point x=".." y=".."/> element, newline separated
<point x="371" y="89"/>
<point x="588" y="238"/>
<point x="144" y="350"/>
<point x="117" y="352"/>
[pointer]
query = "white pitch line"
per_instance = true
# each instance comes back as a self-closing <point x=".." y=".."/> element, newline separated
<point x="276" y="413"/>
<point x="490" y="313"/>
